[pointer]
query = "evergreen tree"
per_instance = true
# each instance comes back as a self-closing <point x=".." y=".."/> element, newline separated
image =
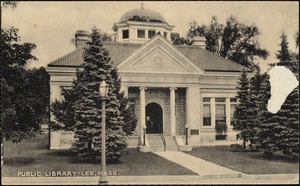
<point x="243" y="115"/>
<point x="254" y="106"/>
<point x="284" y="54"/>
<point x="81" y="110"/>
<point x="129" y="118"/>
<point x="288" y="135"/>
<point x="265" y="137"/>
<point x="87" y="109"/>
<point x="288" y="130"/>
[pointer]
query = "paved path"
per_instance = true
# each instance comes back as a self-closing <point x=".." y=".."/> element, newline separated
<point x="198" y="165"/>
<point x="153" y="180"/>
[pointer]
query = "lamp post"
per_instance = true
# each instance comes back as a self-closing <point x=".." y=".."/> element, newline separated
<point x="144" y="129"/>
<point x="103" y="90"/>
<point x="186" y="134"/>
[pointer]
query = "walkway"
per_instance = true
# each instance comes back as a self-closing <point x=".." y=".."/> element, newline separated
<point x="199" y="166"/>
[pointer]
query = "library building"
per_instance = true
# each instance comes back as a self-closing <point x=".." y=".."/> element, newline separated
<point x="183" y="96"/>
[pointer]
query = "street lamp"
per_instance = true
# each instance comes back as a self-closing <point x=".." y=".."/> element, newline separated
<point x="103" y="90"/>
<point x="186" y="134"/>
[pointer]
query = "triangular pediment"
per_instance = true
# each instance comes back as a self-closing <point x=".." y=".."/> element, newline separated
<point x="158" y="56"/>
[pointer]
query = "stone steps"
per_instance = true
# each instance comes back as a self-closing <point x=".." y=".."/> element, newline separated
<point x="157" y="145"/>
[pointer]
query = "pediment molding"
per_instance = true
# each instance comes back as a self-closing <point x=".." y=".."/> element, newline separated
<point x="158" y="55"/>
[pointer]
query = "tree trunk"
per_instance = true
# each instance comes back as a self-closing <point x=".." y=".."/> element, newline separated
<point x="244" y="145"/>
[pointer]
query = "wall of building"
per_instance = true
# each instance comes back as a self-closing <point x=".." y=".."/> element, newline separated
<point x="189" y="106"/>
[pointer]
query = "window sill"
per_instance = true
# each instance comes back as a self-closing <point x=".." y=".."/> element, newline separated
<point x="208" y="127"/>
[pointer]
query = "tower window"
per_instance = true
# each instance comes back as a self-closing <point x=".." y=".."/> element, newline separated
<point x="151" y="33"/>
<point x="125" y="34"/>
<point x="141" y="33"/>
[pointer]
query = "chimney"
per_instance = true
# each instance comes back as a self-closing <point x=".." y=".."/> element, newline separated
<point x="81" y="38"/>
<point x="199" y="41"/>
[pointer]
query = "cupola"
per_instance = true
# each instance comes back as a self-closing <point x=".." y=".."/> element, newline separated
<point x="140" y="25"/>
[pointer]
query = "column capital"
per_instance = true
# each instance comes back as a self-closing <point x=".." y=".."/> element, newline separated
<point x="172" y="88"/>
<point x="143" y="87"/>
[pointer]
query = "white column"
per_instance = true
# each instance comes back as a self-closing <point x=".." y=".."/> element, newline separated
<point x="187" y="102"/>
<point x="212" y="112"/>
<point x="55" y="139"/>
<point x="142" y="110"/>
<point x="227" y="112"/>
<point x="172" y="111"/>
<point x="146" y="34"/>
<point x="55" y="94"/>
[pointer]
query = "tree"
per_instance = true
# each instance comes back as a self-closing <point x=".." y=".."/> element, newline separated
<point x="265" y="137"/>
<point x="214" y="36"/>
<point x="25" y="93"/>
<point x="177" y="40"/>
<point x="242" y="118"/>
<point x="234" y="41"/>
<point x="37" y="91"/>
<point x="81" y="109"/>
<point x="254" y="106"/>
<point x="284" y="54"/>
<point x="280" y="131"/>
<point x="130" y="120"/>
<point x="6" y="4"/>
<point x="288" y="130"/>
<point x="196" y="30"/>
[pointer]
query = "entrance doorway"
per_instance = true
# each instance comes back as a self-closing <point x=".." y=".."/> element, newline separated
<point x="154" y="118"/>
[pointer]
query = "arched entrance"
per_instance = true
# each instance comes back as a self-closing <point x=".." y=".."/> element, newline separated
<point x="154" y="118"/>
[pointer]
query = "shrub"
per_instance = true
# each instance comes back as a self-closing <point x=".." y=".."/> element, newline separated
<point x="221" y="127"/>
<point x="237" y="148"/>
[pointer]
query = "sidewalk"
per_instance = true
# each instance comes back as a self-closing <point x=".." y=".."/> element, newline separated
<point x="202" y="167"/>
<point x="154" y="180"/>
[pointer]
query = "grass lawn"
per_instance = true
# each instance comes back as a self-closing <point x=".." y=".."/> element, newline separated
<point x="33" y="155"/>
<point x="247" y="162"/>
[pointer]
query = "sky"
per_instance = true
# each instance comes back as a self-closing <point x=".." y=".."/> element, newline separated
<point x="52" y="25"/>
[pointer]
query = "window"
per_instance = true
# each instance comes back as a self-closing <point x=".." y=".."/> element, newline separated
<point x="220" y="113"/>
<point x="141" y="33"/>
<point x="220" y="110"/>
<point x="151" y="33"/>
<point x="125" y="34"/>
<point x="206" y="112"/>
<point x="233" y="103"/>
